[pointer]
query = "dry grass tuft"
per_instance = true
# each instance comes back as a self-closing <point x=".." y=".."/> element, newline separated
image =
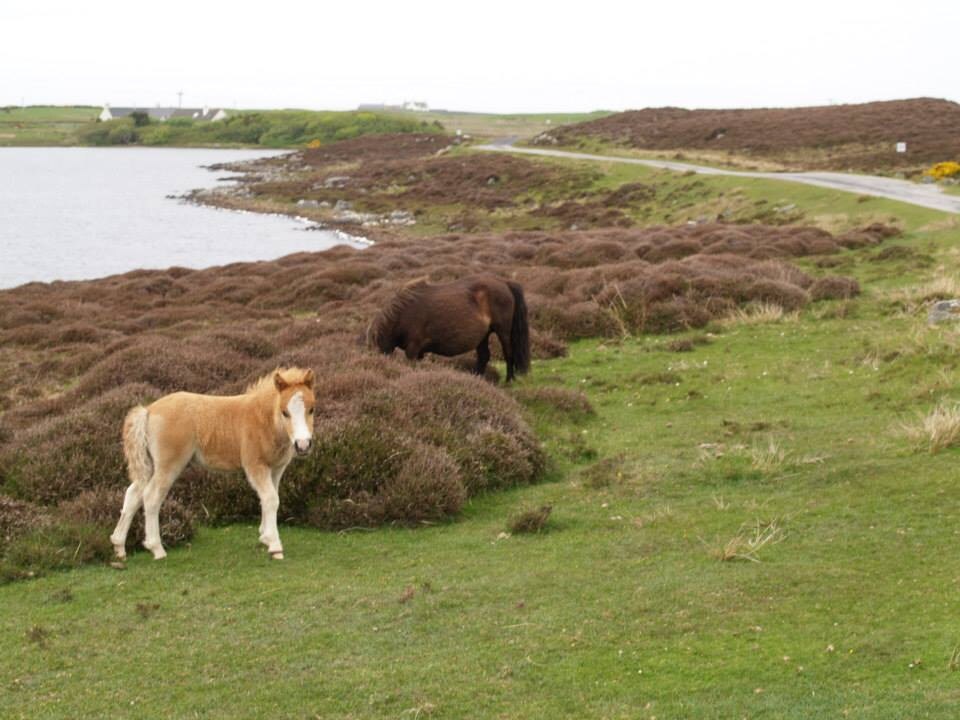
<point x="936" y="431"/>
<point x="759" y="314"/>
<point x="767" y="458"/>
<point x="750" y="540"/>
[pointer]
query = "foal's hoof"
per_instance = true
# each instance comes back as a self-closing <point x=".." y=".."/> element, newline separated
<point x="158" y="552"/>
<point x="120" y="551"/>
<point x="277" y="555"/>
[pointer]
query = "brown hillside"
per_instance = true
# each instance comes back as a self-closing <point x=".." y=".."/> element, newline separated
<point x="837" y="137"/>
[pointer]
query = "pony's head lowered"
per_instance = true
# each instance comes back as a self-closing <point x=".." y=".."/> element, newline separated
<point x="294" y="406"/>
<point x="385" y="331"/>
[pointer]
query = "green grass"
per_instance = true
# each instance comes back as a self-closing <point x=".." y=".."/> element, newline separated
<point x="620" y="608"/>
<point x="262" y="128"/>
<point x="43" y="125"/>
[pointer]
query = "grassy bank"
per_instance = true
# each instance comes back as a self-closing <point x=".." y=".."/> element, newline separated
<point x="44" y="125"/>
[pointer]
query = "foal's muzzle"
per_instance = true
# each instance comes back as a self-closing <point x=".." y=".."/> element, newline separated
<point x="302" y="446"/>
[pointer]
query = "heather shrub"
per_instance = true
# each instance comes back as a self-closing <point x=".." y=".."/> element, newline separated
<point x="101" y="506"/>
<point x="167" y="366"/>
<point x="834" y="288"/>
<point x="57" y="545"/>
<point x="66" y="454"/>
<point x="17" y="518"/>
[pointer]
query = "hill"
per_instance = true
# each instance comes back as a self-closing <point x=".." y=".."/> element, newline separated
<point x="834" y="137"/>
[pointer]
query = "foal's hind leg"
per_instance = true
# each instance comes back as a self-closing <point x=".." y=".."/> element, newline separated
<point x="153" y="496"/>
<point x="132" y="501"/>
<point x="483" y="356"/>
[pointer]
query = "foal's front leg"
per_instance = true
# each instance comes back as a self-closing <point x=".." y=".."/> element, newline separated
<point x="261" y="478"/>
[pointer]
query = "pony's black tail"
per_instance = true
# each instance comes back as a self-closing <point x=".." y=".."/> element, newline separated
<point x="519" y="331"/>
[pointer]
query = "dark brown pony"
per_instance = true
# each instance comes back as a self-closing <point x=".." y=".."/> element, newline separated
<point x="453" y="318"/>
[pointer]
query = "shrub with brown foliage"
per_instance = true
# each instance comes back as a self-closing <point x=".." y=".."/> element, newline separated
<point x="100" y="507"/>
<point x="841" y="137"/>
<point x="17" y="518"/>
<point x="395" y="442"/>
<point x="834" y="288"/>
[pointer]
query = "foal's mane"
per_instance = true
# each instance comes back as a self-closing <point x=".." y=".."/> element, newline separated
<point x="292" y="376"/>
<point x="389" y="314"/>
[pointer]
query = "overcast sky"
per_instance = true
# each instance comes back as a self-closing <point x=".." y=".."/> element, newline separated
<point x="486" y="56"/>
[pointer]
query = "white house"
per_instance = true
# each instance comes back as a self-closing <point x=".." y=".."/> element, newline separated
<point x="162" y="114"/>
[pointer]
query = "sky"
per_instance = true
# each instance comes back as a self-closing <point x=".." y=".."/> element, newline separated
<point x="493" y="56"/>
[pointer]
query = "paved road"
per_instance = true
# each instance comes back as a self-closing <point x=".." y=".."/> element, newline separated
<point x="929" y="196"/>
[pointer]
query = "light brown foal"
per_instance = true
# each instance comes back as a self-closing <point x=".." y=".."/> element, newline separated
<point x="259" y="431"/>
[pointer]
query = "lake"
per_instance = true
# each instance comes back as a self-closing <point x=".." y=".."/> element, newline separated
<point x="81" y="213"/>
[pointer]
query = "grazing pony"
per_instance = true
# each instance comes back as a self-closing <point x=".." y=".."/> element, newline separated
<point x="259" y="431"/>
<point x="453" y="318"/>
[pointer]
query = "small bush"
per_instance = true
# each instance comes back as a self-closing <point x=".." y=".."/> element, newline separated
<point x="62" y="456"/>
<point x="55" y="546"/>
<point x="530" y="521"/>
<point x="834" y="288"/>
<point x="101" y="507"/>
<point x="17" y="518"/>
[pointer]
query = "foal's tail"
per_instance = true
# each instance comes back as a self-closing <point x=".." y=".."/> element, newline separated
<point x="135" y="448"/>
<point x="519" y="331"/>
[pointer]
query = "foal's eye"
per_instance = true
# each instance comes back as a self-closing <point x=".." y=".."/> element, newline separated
<point x="310" y="411"/>
<point x="286" y="414"/>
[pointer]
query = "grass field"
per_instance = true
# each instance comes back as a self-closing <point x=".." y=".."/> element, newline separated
<point x="743" y="529"/>
<point x="44" y="125"/>
<point x="490" y="125"/>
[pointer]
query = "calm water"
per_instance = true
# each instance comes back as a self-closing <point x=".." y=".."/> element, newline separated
<point x="79" y="213"/>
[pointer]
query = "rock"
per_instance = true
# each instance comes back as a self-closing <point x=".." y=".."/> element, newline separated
<point x="943" y="311"/>
<point x="307" y="203"/>
<point x="336" y="181"/>
<point x="343" y="206"/>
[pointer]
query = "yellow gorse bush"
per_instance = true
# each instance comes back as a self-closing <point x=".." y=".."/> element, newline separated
<point x="943" y="170"/>
<point x="313" y="144"/>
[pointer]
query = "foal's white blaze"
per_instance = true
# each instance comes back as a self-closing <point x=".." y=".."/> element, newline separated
<point x="298" y="416"/>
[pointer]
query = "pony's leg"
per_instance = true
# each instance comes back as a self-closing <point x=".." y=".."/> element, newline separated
<point x="132" y="501"/>
<point x="505" y="345"/>
<point x="483" y="356"/>
<point x="261" y="478"/>
<point x="275" y="475"/>
<point x="153" y="496"/>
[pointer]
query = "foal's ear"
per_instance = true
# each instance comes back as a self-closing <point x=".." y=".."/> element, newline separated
<point x="279" y="382"/>
<point x="308" y="378"/>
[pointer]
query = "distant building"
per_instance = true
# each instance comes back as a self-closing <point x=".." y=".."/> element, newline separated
<point x="162" y="114"/>
<point x="407" y="105"/>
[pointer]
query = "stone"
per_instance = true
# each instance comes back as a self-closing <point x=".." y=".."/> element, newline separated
<point x="943" y="311"/>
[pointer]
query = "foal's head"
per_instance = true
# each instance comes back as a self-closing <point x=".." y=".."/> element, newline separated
<point x="295" y="406"/>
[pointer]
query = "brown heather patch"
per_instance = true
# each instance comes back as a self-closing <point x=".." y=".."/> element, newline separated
<point x="395" y="442"/>
<point x="838" y="137"/>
